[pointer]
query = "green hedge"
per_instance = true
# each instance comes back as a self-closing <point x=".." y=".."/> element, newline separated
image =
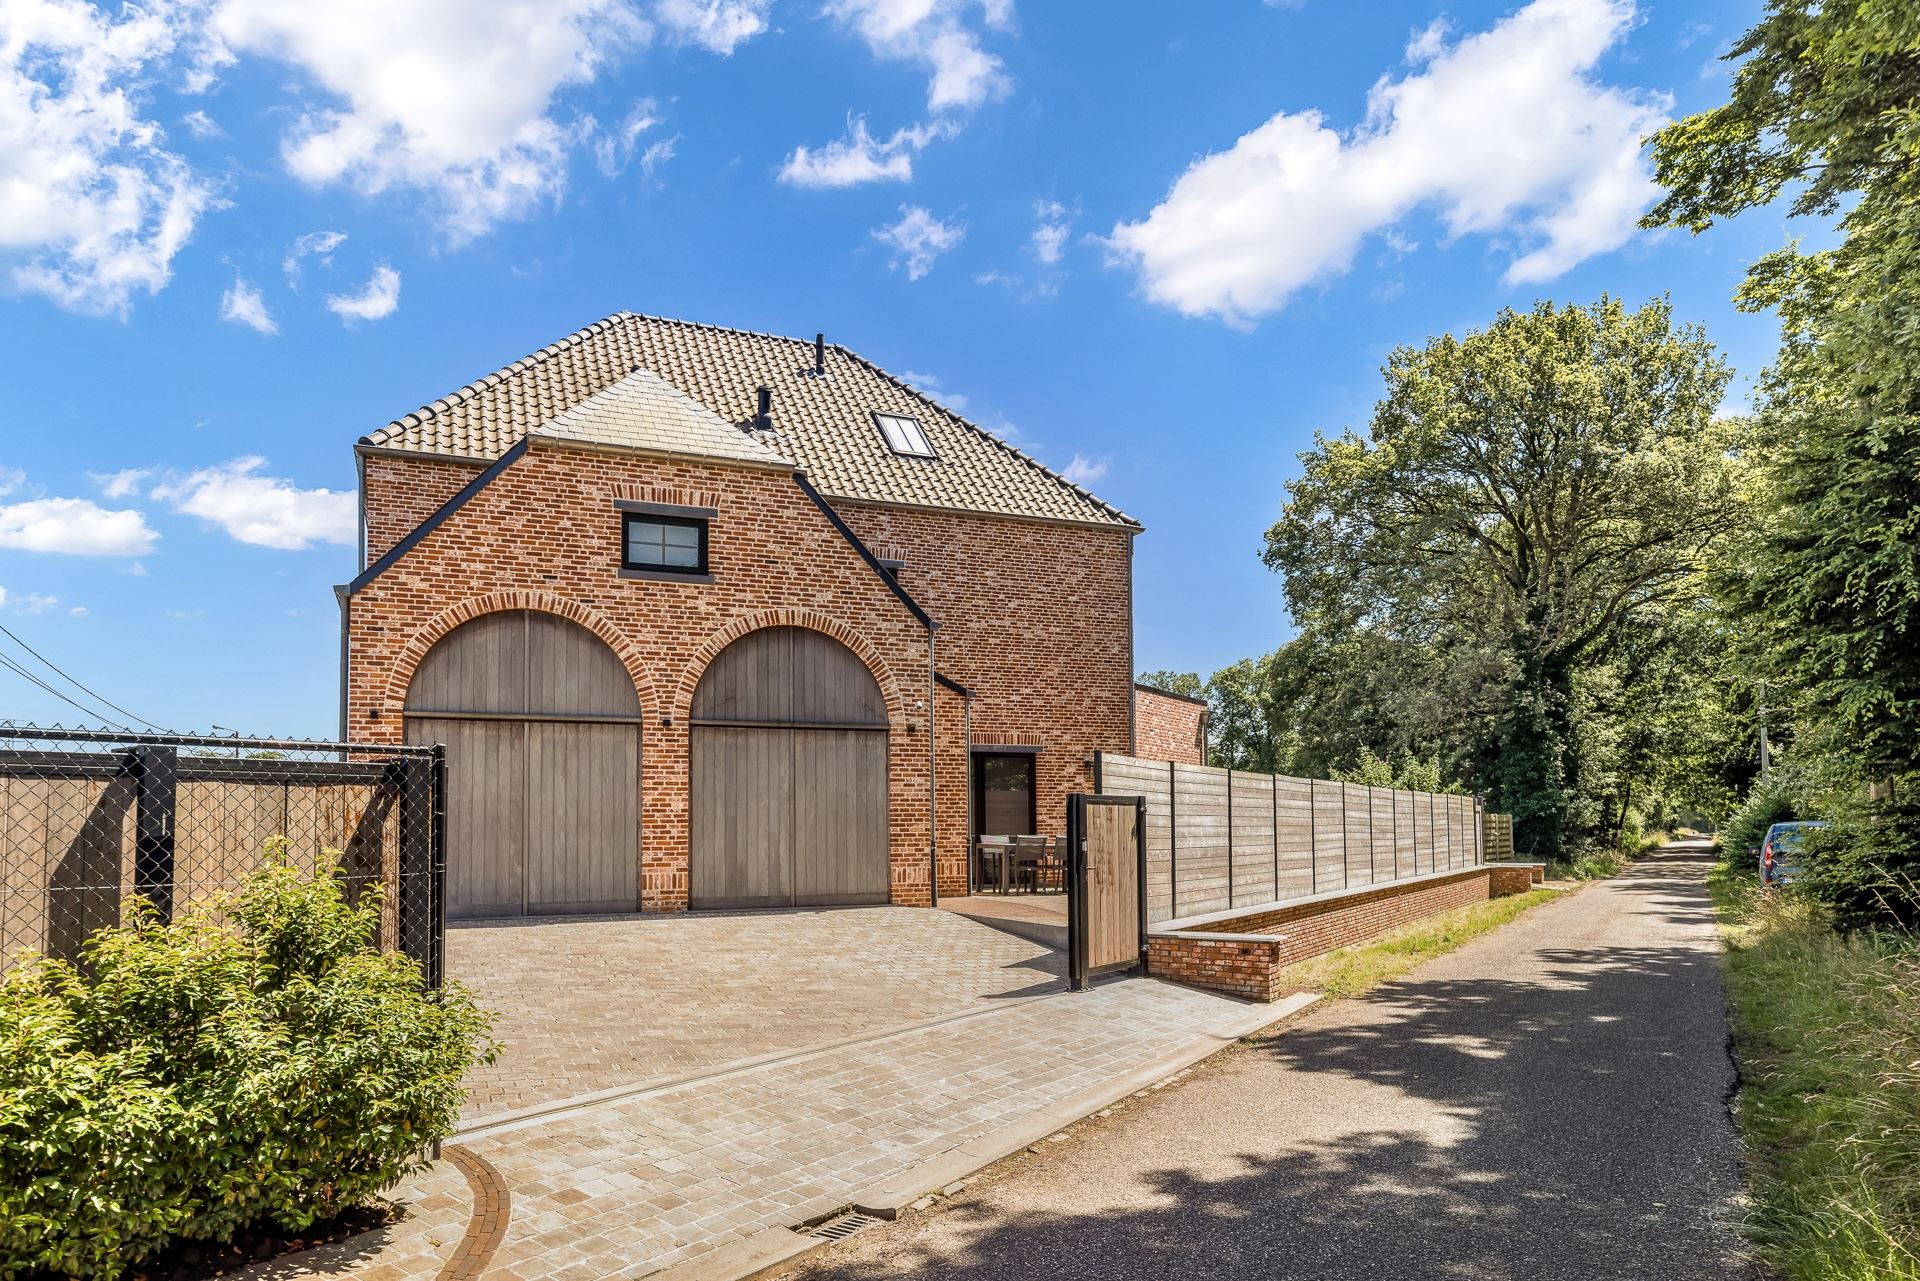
<point x="257" y="1060"/>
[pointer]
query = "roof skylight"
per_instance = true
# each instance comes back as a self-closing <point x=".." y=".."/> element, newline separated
<point x="904" y="435"/>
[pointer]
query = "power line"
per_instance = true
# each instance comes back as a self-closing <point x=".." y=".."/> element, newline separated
<point x="88" y="711"/>
<point x="92" y="693"/>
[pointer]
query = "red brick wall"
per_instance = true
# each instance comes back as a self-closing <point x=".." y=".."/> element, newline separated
<point x="1250" y="966"/>
<point x="1514" y="878"/>
<point x="1040" y="634"/>
<point x="1034" y="622"/>
<point x="1167" y="728"/>
<point x="402" y="492"/>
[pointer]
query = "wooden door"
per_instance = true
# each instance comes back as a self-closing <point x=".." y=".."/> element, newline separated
<point x="583" y="817"/>
<point x="840" y="816"/>
<point x="788" y="774"/>
<point x="542" y="729"/>
<point x="742" y="822"/>
<point x="486" y="813"/>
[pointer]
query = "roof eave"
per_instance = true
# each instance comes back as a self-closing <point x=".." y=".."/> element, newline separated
<point x="1120" y="522"/>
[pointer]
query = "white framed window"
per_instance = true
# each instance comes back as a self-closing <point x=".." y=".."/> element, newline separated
<point x="905" y="436"/>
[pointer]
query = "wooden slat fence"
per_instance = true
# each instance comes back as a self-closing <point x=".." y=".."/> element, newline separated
<point x="85" y="831"/>
<point x="1499" y="837"/>
<point x="1219" y="839"/>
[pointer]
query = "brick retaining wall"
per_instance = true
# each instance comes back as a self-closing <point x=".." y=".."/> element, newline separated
<point x="1244" y="955"/>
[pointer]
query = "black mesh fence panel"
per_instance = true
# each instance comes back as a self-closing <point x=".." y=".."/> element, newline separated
<point x="91" y="820"/>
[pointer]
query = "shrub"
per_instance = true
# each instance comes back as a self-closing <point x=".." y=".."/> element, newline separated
<point x="1866" y="867"/>
<point x="1767" y="804"/>
<point x="257" y="1060"/>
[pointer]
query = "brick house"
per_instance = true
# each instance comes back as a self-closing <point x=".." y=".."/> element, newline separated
<point x="713" y="618"/>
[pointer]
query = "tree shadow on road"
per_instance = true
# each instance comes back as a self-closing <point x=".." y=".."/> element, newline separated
<point x="1565" y="1122"/>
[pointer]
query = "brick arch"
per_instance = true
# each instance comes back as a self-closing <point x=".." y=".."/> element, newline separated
<point x="414" y="652"/>
<point x="833" y="627"/>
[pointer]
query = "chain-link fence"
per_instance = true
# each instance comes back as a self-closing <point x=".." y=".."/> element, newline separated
<point x="92" y="819"/>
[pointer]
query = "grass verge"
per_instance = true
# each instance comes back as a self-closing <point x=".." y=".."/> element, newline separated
<point x="1349" y="971"/>
<point x="1826" y="1028"/>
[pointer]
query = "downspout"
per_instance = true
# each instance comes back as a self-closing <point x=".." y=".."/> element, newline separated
<point x="933" y="783"/>
<point x="345" y="599"/>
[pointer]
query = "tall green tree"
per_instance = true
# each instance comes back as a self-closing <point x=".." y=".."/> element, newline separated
<point x="1824" y="115"/>
<point x="1523" y="495"/>
<point x="1825" y="109"/>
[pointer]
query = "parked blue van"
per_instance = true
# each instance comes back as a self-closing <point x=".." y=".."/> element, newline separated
<point x="1777" y="863"/>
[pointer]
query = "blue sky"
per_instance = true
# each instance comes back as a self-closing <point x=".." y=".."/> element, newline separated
<point x="1158" y="244"/>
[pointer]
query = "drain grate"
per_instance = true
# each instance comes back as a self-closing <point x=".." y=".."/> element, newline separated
<point x="842" y="1226"/>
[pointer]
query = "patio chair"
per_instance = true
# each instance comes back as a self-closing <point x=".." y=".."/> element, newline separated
<point x="1029" y="853"/>
<point x="991" y="854"/>
<point x="1052" y="871"/>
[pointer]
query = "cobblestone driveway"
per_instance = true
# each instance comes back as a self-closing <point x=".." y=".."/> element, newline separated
<point x="592" y="1005"/>
<point x="669" y="1176"/>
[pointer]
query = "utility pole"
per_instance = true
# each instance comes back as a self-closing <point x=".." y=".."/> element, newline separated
<point x="1766" y="748"/>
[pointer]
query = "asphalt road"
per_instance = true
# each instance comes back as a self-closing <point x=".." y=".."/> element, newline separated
<point x="1546" y="1102"/>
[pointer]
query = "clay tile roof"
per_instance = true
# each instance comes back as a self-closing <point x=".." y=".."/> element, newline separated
<point x="823" y="425"/>
<point x="642" y="411"/>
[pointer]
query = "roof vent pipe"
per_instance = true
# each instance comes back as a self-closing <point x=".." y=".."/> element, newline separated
<point x="819" y="355"/>
<point x="763" y="416"/>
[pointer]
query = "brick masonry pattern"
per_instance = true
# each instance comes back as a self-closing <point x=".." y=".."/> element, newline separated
<point x="1035" y="621"/>
<point x="1250" y="965"/>
<point x="1168" y="728"/>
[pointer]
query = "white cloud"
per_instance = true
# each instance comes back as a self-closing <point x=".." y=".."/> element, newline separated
<point x="613" y="149"/>
<point x="720" y="26"/>
<point x="1506" y="131"/>
<point x="93" y="207"/>
<point x="119" y="484"/>
<point x="934" y="34"/>
<point x="31" y="603"/>
<point x="1051" y="231"/>
<point x="78" y="611"/>
<point x="930" y="384"/>
<point x="243" y="305"/>
<point x="202" y="126"/>
<point x="314" y="244"/>
<point x="860" y="157"/>
<point x="11" y="478"/>
<point x="266" y="511"/>
<point x="379" y="299"/>
<point x="657" y="154"/>
<point x="918" y="238"/>
<point x="74" y="526"/>
<point x="450" y="98"/>
<point x="1084" y="471"/>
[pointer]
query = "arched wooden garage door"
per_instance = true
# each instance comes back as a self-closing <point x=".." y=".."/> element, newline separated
<point x="542" y="728"/>
<point x="789" y="775"/>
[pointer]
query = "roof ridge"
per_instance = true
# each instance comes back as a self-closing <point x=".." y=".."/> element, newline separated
<point x="480" y="384"/>
<point x="718" y="329"/>
<point x="978" y="430"/>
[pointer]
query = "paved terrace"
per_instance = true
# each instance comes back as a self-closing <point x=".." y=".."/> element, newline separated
<point x="589" y="1005"/>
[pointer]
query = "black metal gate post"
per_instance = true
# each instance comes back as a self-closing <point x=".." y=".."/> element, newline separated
<point x="438" y="773"/>
<point x="156" y="773"/>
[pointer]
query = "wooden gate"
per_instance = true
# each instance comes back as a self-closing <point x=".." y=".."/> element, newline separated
<point x="788" y="772"/>
<point x="1106" y="886"/>
<point x="542" y="728"/>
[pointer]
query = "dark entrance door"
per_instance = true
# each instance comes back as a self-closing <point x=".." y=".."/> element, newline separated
<point x="1003" y="794"/>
